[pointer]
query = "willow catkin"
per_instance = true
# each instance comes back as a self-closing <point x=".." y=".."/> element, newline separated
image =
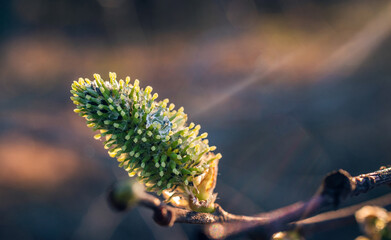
<point x="150" y="139"/>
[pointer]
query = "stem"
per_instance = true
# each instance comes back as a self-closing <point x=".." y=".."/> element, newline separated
<point x="366" y="182"/>
<point x="336" y="187"/>
<point x="336" y="219"/>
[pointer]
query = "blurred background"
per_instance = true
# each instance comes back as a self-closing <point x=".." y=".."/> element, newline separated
<point x="288" y="91"/>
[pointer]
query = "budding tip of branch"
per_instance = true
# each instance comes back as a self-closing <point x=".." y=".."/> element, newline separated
<point x="164" y="216"/>
<point x="337" y="185"/>
<point x="125" y="195"/>
<point x="215" y="231"/>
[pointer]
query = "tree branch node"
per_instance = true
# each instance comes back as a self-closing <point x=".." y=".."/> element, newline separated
<point x="337" y="185"/>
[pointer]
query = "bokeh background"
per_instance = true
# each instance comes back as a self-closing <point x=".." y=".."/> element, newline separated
<point x="288" y="91"/>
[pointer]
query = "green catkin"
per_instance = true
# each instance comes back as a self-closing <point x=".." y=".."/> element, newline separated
<point x="148" y="137"/>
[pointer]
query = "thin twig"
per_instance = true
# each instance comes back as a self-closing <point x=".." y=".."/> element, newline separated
<point x="336" y="187"/>
<point x="336" y="219"/>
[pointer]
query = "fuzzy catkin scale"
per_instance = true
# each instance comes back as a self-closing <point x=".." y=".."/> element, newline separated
<point x="149" y="138"/>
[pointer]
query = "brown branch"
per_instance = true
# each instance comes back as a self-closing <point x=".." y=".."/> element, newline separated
<point x="336" y="187"/>
<point x="366" y="182"/>
<point x="127" y="194"/>
<point x="336" y="219"/>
